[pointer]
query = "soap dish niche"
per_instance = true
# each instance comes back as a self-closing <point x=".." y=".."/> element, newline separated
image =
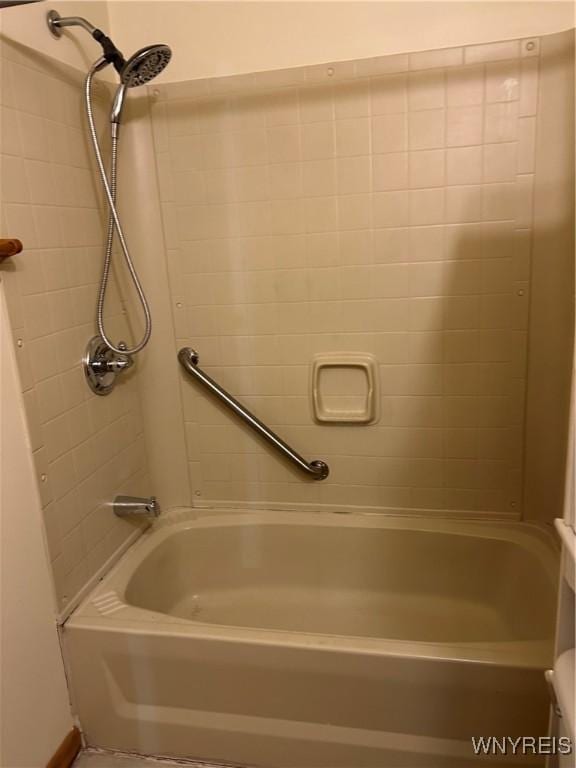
<point x="345" y="388"/>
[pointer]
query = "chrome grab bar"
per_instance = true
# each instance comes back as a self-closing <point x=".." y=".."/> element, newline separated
<point x="188" y="358"/>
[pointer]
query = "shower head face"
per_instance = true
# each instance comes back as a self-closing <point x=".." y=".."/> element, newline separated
<point x="145" y="65"/>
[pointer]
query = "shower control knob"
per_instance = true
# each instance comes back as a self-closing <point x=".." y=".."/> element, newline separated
<point x="119" y="363"/>
<point x="102" y="365"/>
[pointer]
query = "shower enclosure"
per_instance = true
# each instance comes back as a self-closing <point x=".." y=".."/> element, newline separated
<point x="374" y="258"/>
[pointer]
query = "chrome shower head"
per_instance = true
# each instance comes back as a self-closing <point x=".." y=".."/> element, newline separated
<point x="140" y="68"/>
<point x="144" y="65"/>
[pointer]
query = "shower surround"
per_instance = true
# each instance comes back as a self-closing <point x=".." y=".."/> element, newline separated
<point x="382" y="206"/>
<point x="86" y="448"/>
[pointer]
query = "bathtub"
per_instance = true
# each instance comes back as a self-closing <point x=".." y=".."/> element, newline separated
<point x="317" y="640"/>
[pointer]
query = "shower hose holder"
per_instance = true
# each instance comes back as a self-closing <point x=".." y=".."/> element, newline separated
<point x="102" y="365"/>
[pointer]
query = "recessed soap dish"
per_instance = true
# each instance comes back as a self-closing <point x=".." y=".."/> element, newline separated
<point x="345" y="388"/>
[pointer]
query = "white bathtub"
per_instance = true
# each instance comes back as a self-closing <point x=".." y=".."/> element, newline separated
<point x="317" y="640"/>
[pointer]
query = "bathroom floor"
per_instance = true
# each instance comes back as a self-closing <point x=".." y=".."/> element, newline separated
<point x="95" y="759"/>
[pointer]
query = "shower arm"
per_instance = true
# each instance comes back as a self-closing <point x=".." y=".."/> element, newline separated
<point x="111" y="53"/>
<point x="55" y="22"/>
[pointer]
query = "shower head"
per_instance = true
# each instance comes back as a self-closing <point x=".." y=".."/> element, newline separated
<point x="140" y="68"/>
<point x="145" y="65"/>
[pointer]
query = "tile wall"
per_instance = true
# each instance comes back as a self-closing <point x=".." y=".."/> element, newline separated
<point x="382" y="206"/>
<point x="86" y="448"/>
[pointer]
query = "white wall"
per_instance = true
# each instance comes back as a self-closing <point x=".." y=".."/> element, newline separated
<point x="551" y="329"/>
<point x="27" y="25"/>
<point x="210" y="39"/>
<point x="34" y="708"/>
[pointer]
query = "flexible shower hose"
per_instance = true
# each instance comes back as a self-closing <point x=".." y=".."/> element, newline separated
<point x="114" y="224"/>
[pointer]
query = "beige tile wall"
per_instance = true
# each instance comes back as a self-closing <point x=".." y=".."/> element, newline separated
<point x="382" y="206"/>
<point x="86" y="448"/>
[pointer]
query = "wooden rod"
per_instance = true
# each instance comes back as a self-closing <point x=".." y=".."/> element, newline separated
<point x="9" y="247"/>
<point x="67" y="751"/>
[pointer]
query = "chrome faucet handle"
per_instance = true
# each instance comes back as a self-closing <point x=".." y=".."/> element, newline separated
<point x="102" y="365"/>
<point x="119" y="363"/>
<point x="128" y="506"/>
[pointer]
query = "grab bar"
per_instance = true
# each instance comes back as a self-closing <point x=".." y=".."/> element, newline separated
<point x="188" y="358"/>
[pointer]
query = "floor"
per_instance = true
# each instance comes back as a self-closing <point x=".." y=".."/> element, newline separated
<point x="95" y="759"/>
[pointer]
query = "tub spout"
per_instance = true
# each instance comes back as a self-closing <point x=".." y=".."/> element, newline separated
<point x="126" y="506"/>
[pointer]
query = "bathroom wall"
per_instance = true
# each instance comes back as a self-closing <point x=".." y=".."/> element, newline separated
<point x="551" y="332"/>
<point x="382" y="206"/>
<point x="211" y="39"/>
<point x="33" y="694"/>
<point x="34" y="691"/>
<point x="86" y="448"/>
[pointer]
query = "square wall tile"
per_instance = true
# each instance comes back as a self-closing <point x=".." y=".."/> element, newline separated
<point x="464" y="86"/>
<point x="316" y="104"/>
<point x="499" y="202"/>
<point x="353" y="175"/>
<point x="319" y="177"/>
<point x="427" y="168"/>
<point x="426" y="243"/>
<point x="391" y="245"/>
<point x="427" y="206"/>
<point x="502" y="81"/>
<point x="389" y="94"/>
<point x="285" y="180"/>
<point x="500" y="162"/>
<point x="354" y="212"/>
<point x="426" y="90"/>
<point x="390" y="209"/>
<point x="352" y="99"/>
<point x="389" y="133"/>
<point x="464" y="165"/>
<point x="390" y="171"/>
<point x="352" y="137"/>
<point x="284" y="144"/>
<point x="463" y="204"/>
<point x="426" y="129"/>
<point x="501" y="122"/>
<point x="321" y="214"/>
<point x="356" y="247"/>
<point x="464" y="126"/>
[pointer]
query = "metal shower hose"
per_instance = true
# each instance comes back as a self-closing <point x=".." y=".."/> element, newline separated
<point x="113" y="224"/>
